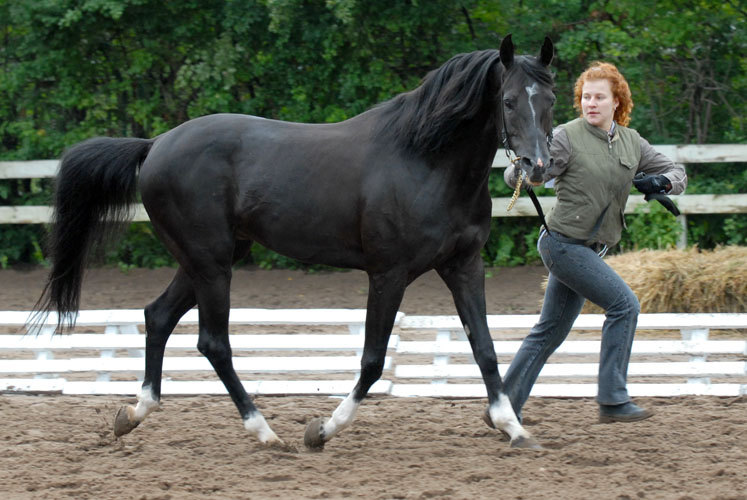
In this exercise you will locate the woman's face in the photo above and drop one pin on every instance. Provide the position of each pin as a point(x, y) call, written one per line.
point(597, 103)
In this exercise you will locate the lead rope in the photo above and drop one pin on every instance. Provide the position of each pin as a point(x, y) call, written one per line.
point(532, 196)
point(517, 190)
point(507, 149)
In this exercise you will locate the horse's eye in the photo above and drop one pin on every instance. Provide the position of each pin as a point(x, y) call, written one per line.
point(509, 104)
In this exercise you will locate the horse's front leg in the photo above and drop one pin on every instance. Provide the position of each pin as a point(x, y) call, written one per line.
point(465, 278)
point(384, 297)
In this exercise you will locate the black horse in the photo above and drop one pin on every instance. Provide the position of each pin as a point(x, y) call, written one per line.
point(395, 191)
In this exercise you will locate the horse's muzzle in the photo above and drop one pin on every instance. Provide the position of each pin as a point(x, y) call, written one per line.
point(535, 170)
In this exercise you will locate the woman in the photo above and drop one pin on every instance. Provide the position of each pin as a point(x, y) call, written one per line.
point(595, 158)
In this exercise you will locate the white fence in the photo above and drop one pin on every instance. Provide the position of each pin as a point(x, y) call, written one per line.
point(660, 373)
point(328, 363)
point(688, 203)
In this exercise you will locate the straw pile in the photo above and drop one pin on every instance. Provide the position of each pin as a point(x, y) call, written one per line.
point(687, 281)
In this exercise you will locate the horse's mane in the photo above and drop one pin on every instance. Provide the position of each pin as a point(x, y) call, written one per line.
point(427, 118)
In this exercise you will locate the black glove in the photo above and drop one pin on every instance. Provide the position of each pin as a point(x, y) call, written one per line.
point(649, 184)
point(654, 187)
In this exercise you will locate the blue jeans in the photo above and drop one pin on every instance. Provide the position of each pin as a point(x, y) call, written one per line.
point(577, 273)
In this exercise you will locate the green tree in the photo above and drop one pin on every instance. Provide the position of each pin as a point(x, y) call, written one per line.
point(685, 62)
point(72, 69)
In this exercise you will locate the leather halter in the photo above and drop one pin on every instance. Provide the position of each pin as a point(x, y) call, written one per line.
point(508, 150)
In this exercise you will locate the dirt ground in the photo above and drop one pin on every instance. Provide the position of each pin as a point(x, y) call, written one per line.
point(195, 447)
point(508, 290)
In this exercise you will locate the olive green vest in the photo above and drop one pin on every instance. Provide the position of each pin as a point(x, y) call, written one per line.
point(593, 191)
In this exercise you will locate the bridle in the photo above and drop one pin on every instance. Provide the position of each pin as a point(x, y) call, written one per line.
point(504, 134)
point(509, 151)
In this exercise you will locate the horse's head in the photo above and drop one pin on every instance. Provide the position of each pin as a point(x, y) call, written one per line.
point(526, 108)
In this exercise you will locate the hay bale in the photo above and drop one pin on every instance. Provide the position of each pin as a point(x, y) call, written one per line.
point(688, 281)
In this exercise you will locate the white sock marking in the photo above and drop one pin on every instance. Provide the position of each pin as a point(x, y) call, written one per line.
point(146, 403)
point(258, 426)
point(342, 417)
point(503, 417)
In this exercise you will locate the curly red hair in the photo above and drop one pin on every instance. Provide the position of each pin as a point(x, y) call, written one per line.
point(620, 90)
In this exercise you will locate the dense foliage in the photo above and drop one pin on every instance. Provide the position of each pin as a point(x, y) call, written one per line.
point(71, 69)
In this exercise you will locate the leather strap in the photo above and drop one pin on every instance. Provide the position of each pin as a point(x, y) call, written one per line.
point(665, 200)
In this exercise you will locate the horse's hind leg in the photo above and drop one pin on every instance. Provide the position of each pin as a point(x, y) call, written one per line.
point(207, 262)
point(161, 316)
point(384, 297)
point(212, 290)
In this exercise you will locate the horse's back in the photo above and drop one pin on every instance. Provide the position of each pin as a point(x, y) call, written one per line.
point(246, 151)
point(293, 187)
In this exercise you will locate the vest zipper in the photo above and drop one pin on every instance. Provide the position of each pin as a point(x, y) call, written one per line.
point(611, 134)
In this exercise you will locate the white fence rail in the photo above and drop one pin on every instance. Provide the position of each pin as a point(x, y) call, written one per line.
point(688, 204)
point(85, 363)
point(59, 356)
point(672, 377)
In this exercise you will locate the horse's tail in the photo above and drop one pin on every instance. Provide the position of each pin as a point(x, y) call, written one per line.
point(95, 188)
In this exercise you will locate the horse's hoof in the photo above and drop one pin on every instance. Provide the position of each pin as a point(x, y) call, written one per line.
point(313, 438)
point(527, 443)
point(486, 418)
point(489, 423)
point(123, 424)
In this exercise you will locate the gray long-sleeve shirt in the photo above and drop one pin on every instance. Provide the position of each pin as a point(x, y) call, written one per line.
point(652, 163)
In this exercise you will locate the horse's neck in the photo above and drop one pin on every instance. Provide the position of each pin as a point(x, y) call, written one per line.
point(471, 155)
point(466, 174)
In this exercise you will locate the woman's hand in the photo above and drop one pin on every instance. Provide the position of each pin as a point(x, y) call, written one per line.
point(649, 184)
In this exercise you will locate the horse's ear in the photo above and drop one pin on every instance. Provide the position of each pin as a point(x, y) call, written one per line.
point(546, 52)
point(507, 51)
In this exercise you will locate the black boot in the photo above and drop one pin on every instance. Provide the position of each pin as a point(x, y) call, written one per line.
point(626, 412)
